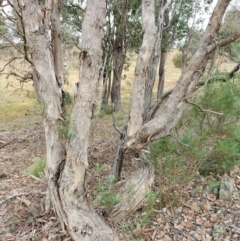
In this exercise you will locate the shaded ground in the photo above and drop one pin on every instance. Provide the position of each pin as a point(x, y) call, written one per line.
point(201, 216)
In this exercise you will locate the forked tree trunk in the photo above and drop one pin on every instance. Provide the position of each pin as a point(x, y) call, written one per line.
point(67, 164)
point(165, 120)
point(139, 135)
point(66, 167)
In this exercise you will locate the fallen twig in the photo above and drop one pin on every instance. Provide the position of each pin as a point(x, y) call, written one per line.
point(21, 194)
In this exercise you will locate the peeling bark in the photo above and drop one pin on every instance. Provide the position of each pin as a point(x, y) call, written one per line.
point(82, 221)
point(36, 24)
point(67, 164)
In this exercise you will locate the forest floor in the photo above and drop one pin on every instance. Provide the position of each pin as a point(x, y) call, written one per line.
point(200, 216)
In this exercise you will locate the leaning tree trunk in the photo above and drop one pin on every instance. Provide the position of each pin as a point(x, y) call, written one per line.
point(165, 120)
point(66, 167)
point(139, 135)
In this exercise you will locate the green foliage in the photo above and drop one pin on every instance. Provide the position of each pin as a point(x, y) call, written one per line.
point(63, 129)
point(202, 143)
point(217, 134)
point(37, 167)
point(232, 50)
point(213, 184)
point(177, 61)
point(104, 193)
point(105, 110)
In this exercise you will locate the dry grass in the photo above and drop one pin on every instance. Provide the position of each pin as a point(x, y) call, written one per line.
point(18, 103)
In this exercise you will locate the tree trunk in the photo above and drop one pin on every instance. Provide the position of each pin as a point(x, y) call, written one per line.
point(106, 79)
point(164, 121)
point(66, 167)
point(138, 91)
point(119, 56)
point(161, 75)
point(36, 24)
point(82, 222)
point(151, 77)
point(163, 7)
point(56, 41)
point(143, 181)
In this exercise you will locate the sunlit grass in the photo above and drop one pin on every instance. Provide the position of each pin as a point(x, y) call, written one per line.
point(16, 104)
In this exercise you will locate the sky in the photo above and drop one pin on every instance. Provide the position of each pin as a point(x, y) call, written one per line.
point(206, 16)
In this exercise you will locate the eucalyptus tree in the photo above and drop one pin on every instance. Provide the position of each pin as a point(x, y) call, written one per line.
point(67, 157)
point(173, 29)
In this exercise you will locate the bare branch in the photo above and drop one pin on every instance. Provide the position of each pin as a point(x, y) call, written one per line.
point(115, 126)
point(12, 43)
point(223, 42)
point(157, 104)
point(77, 6)
point(203, 110)
point(14, 30)
point(9, 62)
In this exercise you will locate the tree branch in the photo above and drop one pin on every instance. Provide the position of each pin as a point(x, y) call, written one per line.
point(77, 6)
point(225, 41)
point(203, 110)
point(157, 104)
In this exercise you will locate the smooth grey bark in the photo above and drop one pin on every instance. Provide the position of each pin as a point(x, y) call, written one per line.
point(152, 69)
point(164, 121)
point(141, 71)
point(56, 41)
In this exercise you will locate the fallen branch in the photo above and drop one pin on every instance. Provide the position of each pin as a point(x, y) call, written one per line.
point(21, 194)
point(12, 141)
point(184, 144)
point(203, 110)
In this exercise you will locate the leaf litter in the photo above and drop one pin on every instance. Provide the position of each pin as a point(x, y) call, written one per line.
point(201, 216)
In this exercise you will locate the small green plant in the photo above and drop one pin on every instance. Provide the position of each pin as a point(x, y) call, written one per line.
point(37, 167)
point(105, 110)
point(63, 128)
point(177, 61)
point(104, 193)
point(213, 184)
